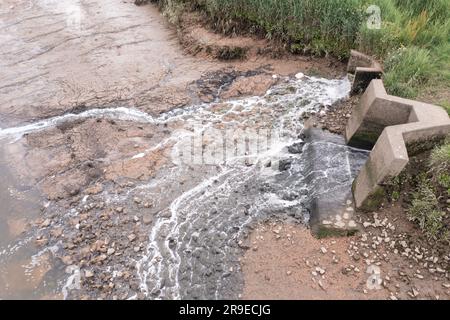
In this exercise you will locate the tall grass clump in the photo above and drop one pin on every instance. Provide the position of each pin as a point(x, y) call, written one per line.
point(406, 70)
point(413, 41)
point(436, 9)
point(440, 167)
point(316, 26)
point(424, 210)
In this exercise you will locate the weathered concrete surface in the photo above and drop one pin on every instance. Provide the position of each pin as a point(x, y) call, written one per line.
point(363, 69)
point(331, 211)
point(396, 128)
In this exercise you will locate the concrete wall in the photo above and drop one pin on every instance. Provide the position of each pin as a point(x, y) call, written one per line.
point(396, 128)
point(362, 69)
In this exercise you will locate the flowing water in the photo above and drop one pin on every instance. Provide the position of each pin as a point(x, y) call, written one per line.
point(196, 239)
point(221, 168)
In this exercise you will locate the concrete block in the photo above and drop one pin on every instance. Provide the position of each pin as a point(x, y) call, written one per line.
point(395, 128)
point(363, 69)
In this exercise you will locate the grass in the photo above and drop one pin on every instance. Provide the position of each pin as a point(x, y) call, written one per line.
point(413, 41)
point(440, 158)
point(425, 211)
point(408, 69)
point(429, 200)
point(440, 167)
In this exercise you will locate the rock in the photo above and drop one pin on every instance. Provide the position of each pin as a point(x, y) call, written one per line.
point(296, 148)
point(323, 249)
point(366, 224)
point(148, 205)
point(439, 270)
point(414, 292)
point(119, 209)
point(147, 218)
point(320, 270)
point(340, 224)
point(56, 232)
point(284, 164)
point(41, 242)
point(321, 284)
point(137, 200)
point(46, 223)
point(88, 274)
point(289, 272)
point(67, 260)
point(352, 224)
point(96, 189)
point(131, 237)
point(242, 245)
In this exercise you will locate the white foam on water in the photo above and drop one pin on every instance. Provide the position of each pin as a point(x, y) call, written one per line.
point(176, 227)
point(318, 91)
point(159, 269)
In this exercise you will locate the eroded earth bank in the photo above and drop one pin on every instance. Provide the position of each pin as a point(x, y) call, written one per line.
point(132, 169)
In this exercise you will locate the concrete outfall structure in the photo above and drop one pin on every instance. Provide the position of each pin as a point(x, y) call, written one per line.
point(362, 69)
point(396, 128)
point(331, 212)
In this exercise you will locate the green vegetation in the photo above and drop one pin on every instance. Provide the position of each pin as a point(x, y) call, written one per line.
point(440, 159)
point(414, 38)
point(440, 166)
point(425, 211)
point(407, 70)
point(413, 43)
point(430, 198)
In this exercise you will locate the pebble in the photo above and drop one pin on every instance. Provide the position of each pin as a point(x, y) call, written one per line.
point(323, 249)
point(88, 274)
point(46, 223)
point(137, 200)
point(147, 219)
point(413, 293)
point(67, 260)
point(352, 224)
point(320, 270)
